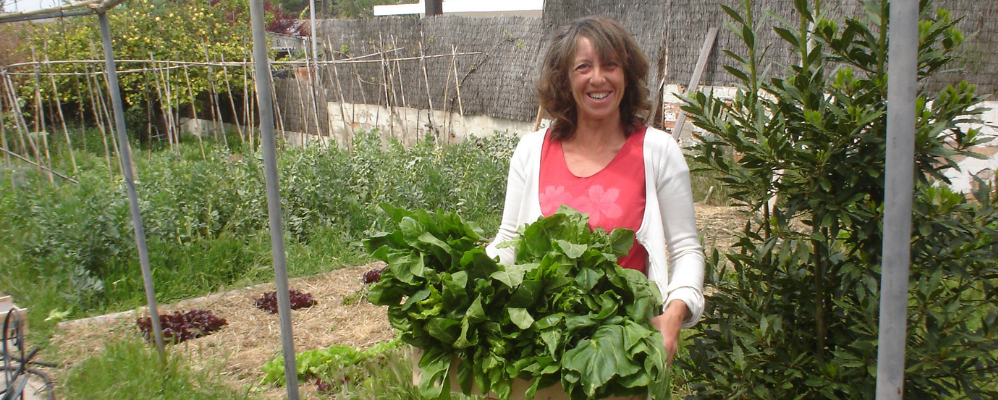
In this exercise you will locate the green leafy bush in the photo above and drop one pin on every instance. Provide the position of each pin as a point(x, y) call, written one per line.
point(794, 308)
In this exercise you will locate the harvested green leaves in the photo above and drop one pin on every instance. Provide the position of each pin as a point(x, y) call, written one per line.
point(564, 312)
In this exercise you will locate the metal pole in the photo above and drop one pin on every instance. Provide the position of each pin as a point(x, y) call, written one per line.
point(261, 67)
point(902, 55)
point(311, 11)
point(126, 170)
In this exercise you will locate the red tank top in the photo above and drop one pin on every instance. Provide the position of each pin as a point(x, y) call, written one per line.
point(614, 197)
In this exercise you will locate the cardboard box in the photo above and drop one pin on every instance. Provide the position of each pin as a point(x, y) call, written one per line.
point(520, 386)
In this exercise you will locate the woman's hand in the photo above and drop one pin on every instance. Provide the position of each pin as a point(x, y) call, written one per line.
point(669, 323)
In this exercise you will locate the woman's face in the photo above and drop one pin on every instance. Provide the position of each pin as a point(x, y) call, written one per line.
point(597, 85)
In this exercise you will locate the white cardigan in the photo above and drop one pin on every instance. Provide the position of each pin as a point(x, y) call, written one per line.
point(668, 220)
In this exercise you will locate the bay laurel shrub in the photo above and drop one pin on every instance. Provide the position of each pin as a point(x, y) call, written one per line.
point(793, 307)
point(205, 217)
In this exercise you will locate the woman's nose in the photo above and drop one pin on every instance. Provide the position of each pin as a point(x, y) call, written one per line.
point(598, 75)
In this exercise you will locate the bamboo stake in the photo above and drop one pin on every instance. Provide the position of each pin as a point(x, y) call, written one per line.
point(448, 116)
point(166, 103)
point(277, 107)
point(40, 128)
point(384, 80)
point(8, 153)
point(426, 81)
point(80, 112)
point(100, 123)
point(171, 121)
point(457, 82)
point(19, 115)
point(301, 110)
point(228, 88)
point(62, 119)
point(160, 93)
point(15, 110)
point(111, 126)
point(405, 107)
point(347, 132)
point(214, 95)
point(3, 131)
point(19, 122)
point(311, 85)
point(194, 111)
point(248, 122)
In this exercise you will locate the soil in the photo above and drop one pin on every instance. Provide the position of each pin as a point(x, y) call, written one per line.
point(252, 336)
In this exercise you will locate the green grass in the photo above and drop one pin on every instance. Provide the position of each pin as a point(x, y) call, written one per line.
point(131, 369)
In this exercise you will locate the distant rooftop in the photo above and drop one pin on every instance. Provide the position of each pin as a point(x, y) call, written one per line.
point(470, 8)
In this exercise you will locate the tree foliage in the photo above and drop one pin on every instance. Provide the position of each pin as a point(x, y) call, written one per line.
point(794, 310)
point(186, 30)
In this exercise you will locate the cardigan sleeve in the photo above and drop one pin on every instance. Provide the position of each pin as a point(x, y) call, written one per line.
point(515, 186)
point(686, 259)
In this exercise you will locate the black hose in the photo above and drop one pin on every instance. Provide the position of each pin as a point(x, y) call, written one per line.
point(48, 388)
point(39, 363)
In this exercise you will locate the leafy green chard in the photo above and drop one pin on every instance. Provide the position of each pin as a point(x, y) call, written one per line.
point(564, 312)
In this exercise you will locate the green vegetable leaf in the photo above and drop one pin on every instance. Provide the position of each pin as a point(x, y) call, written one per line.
point(521, 317)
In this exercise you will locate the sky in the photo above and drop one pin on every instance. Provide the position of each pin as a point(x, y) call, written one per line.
point(27, 5)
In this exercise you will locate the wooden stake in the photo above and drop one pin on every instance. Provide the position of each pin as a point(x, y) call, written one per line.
point(174, 144)
point(171, 123)
point(708, 44)
point(347, 131)
point(301, 110)
point(111, 127)
point(457, 82)
point(228, 88)
point(313, 71)
point(447, 112)
point(405, 107)
point(46, 169)
point(15, 108)
point(277, 107)
point(194, 111)
point(426, 81)
point(62, 119)
point(214, 96)
point(21, 123)
point(247, 106)
point(100, 122)
point(3, 131)
point(40, 116)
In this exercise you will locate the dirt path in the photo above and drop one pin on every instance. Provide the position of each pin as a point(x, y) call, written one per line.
point(252, 336)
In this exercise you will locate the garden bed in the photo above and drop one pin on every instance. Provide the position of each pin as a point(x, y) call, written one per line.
point(252, 336)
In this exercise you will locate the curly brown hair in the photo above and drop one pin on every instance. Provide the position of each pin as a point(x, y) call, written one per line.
point(611, 42)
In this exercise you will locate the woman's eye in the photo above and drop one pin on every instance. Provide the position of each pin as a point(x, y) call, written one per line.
point(582, 67)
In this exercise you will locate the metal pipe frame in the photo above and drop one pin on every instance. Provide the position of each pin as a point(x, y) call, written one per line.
point(268, 145)
point(126, 170)
point(902, 86)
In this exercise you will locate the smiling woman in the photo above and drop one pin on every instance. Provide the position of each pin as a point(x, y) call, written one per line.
point(599, 158)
